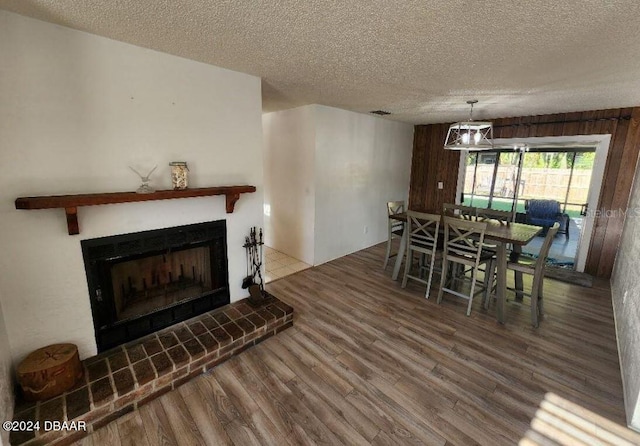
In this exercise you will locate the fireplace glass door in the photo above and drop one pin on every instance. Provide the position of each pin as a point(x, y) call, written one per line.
point(149, 284)
point(145, 281)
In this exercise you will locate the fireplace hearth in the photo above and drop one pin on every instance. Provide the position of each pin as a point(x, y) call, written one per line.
point(142, 282)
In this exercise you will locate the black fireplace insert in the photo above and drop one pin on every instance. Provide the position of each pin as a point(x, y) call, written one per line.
point(145, 281)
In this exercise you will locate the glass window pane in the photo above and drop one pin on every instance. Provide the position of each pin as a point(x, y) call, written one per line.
point(506, 179)
point(574, 211)
point(545, 175)
point(579, 190)
point(484, 176)
point(520, 207)
point(468, 178)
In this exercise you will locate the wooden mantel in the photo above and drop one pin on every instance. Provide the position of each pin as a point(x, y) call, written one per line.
point(71, 203)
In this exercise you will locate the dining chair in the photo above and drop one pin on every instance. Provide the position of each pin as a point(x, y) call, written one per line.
point(503, 218)
point(422, 239)
point(536, 269)
point(459, 210)
point(395, 227)
point(463, 245)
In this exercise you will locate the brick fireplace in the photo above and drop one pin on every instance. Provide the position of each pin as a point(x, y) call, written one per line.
point(126, 377)
point(142, 282)
point(162, 316)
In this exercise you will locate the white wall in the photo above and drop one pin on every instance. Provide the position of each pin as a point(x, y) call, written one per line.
point(328, 174)
point(362, 161)
point(6, 382)
point(75, 111)
point(289, 190)
point(625, 290)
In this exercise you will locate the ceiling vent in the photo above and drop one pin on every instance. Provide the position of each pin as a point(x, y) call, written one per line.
point(380, 112)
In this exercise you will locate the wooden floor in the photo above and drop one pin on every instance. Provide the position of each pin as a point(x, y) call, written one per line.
point(368, 362)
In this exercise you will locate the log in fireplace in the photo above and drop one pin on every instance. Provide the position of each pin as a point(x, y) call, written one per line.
point(145, 281)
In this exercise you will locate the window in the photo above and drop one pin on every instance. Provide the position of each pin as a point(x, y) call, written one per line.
point(504, 179)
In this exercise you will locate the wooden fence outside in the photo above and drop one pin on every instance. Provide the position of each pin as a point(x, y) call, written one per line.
point(545, 183)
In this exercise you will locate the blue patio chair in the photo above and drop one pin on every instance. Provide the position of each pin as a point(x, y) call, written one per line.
point(545, 213)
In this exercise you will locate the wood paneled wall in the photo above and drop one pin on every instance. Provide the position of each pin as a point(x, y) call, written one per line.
point(431, 164)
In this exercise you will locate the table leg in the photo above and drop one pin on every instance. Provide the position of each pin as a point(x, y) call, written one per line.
point(400, 256)
point(502, 281)
point(515, 255)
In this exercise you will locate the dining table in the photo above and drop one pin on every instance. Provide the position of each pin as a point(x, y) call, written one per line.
point(498, 234)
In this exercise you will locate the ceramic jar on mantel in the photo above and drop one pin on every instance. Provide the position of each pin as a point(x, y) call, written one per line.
point(179, 175)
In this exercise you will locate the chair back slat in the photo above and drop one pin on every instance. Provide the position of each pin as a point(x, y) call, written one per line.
point(423, 229)
point(464, 238)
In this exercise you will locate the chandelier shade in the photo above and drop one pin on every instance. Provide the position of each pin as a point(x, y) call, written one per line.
point(470, 135)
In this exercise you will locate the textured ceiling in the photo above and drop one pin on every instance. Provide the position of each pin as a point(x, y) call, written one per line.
point(420, 60)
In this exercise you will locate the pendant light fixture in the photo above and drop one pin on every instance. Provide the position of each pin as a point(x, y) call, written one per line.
point(470, 135)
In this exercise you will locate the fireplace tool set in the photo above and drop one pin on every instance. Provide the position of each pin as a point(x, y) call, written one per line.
point(254, 282)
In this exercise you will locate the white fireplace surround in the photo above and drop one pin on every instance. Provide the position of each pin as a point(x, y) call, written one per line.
point(76, 110)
